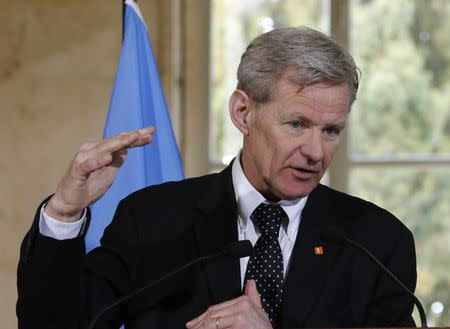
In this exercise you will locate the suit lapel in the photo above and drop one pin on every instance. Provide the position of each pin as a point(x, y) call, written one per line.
point(308, 270)
point(216, 228)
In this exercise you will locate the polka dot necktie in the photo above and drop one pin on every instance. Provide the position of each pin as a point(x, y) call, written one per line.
point(265, 265)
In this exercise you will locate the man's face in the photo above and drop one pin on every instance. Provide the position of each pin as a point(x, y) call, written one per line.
point(291, 139)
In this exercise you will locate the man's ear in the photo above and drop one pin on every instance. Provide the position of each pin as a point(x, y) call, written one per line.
point(240, 108)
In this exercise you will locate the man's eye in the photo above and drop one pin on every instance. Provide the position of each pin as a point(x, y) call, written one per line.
point(295, 124)
point(332, 131)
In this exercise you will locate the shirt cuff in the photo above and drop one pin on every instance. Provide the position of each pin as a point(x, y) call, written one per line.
point(59, 230)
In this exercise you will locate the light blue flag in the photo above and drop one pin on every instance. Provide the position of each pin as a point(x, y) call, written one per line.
point(137, 101)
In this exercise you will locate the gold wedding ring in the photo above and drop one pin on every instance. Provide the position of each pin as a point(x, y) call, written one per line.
point(218, 323)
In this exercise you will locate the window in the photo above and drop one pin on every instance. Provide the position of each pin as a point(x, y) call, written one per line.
point(400, 129)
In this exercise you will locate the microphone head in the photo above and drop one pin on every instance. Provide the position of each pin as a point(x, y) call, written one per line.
point(332, 234)
point(238, 249)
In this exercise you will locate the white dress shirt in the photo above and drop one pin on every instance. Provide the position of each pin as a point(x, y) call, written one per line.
point(248, 198)
point(53, 228)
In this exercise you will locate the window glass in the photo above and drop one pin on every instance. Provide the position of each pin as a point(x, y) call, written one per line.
point(403, 113)
point(403, 106)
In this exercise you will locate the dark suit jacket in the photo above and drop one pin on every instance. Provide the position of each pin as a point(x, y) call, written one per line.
point(161, 227)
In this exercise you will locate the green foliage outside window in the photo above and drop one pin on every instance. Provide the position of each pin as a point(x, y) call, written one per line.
point(402, 49)
point(403, 110)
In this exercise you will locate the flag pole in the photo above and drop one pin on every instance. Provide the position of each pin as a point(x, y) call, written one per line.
point(123, 18)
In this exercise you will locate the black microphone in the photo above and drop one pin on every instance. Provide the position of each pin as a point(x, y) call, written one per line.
point(332, 234)
point(237, 249)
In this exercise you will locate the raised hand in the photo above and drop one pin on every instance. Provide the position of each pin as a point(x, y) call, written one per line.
point(92, 172)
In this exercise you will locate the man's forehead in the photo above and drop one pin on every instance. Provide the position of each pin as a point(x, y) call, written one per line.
point(292, 79)
point(285, 87)
point(293, 101)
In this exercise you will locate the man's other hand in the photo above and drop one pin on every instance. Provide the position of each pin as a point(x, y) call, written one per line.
point(243, 312)
point(92, 172)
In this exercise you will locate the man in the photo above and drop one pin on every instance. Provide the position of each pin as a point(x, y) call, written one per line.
point(295, 90)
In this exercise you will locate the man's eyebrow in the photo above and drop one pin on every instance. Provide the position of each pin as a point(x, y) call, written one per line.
point(304, 119)
point(297, 116)
point(340, 124)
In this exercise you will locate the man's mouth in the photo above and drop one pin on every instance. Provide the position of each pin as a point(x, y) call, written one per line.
point(304, 173)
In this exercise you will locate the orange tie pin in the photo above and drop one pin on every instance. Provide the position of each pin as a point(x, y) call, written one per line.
point(318, 250)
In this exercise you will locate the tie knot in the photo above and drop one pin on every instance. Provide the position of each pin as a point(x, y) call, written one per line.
point(268, 218)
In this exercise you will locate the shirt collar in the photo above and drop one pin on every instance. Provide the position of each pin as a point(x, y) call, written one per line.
point(248, 198)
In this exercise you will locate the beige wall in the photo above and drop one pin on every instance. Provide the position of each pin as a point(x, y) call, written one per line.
point(57, 64)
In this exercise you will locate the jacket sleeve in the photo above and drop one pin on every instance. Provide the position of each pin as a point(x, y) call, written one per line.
point(59, 286)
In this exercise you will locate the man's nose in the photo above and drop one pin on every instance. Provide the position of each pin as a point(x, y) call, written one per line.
point(312, 147)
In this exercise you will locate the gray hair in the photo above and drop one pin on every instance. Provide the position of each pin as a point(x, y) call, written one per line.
point(312, 56)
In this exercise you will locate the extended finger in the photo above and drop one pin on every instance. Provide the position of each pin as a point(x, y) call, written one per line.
point(125, 140)
point(92, 164)
point(119, 158)
point(145, 136)
point(89, 145)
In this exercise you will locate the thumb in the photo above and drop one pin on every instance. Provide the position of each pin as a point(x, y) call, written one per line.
point(252, 292)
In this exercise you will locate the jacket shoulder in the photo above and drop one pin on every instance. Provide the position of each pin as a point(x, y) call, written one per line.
point(353, 211)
